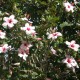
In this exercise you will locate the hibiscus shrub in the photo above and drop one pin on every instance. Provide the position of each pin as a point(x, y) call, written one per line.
point(39, 39)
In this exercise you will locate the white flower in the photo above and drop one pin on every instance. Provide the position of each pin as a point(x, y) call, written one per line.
point(25, 45)
point(54, 35)
point(68, 7)
point(71, 63)
point(24, 50)
point(9, 21)
point(2, 34)
point(4, 48)
point(72, 45)
point(75, 2)
point(53, 51)
point(24, 19)
point(28, 29)
point(22, 54)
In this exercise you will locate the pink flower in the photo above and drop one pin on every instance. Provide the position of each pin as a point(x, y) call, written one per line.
point(9, 21)
point(54, 35)
point(22, 54)
point(24, 50)
point(25, 45)
point(2, 34)
point(68, 7)
point(53, 50)
point(4, 48)
point(38, 39)
point(72, 45)
point(71, 63)
point(28, 29)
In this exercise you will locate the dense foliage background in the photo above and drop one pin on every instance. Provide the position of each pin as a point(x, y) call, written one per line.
point(40, 64)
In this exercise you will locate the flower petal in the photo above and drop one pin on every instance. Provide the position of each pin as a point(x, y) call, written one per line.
point(50, 36)
point(10, 25)
point(4, 24)
point(73, 42)
point(20, 55)
point(5, 19)
point(67, 43)
point(69, 65)
point(27, 25)
point(12, 17)
point(15, 21)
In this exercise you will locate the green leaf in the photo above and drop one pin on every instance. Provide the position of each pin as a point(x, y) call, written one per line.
point(65, 24)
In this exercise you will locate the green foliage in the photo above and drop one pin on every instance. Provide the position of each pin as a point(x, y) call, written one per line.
point(40, 63)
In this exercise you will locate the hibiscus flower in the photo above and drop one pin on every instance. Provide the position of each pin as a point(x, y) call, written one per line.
point(2, 34)
point(53, 51)
point(70, 63)
point(9, 21)
point(72, 45)
point(22, 54)
point(54, 35)
point(4, 48)
point(30, 30)
point(23, 51)
point(68, 7)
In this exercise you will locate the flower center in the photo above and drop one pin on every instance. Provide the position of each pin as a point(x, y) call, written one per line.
point(55, 34)
point(72, 45)
point(10, 20)
point(3, 49)
point(25, 44)
point(22, 52)
point(68, 6)
point(28, 29)
point(69, 60)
